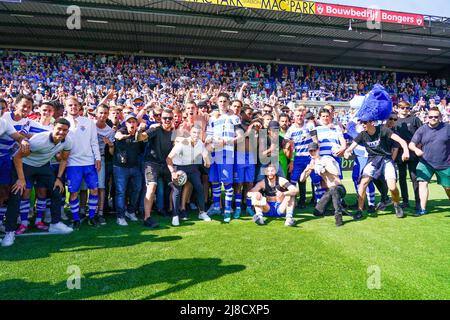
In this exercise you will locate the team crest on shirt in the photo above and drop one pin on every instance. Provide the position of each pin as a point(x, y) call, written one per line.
point(83, 128)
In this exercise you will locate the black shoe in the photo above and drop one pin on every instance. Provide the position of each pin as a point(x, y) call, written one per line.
point(329, 212)
point(399, 211)
point(76, 224)
point(101, 220)
point(371, 210)
point(381, 206)
point(404, 205)
point(317, 213)
point(339, 221)
point(93, 222)
point(183, 215)
point(151, 223)
point(358, 215)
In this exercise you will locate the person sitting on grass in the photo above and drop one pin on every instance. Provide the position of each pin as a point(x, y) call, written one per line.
point(279, 197)
point(328, 169)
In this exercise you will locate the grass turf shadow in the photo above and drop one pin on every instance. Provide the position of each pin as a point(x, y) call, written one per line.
point(77, 243)
point(180, 274)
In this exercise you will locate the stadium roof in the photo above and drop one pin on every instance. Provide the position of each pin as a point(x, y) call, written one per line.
point(202, 30)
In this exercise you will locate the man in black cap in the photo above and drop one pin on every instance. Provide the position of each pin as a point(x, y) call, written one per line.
point(328, 169)
point(126, 168)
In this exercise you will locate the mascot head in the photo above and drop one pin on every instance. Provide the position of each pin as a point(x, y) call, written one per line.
point(377, 105)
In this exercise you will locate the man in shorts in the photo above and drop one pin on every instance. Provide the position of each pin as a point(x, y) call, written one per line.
point(274, 196)
point(84, 161)
point(434, 155)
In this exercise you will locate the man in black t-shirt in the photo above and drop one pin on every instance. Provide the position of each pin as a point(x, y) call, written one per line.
point(126, 169)
point(159, 139)
point(433, 139)
point(405, 127)
point(377, 141)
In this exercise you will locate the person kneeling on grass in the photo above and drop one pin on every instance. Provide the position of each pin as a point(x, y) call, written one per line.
point(279, 197)
point(34, 166)
point(328, 169)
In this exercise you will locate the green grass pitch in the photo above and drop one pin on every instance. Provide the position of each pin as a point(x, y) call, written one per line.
point(403, 258)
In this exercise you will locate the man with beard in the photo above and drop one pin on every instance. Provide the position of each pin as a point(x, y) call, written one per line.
point(159, 144)
point(273, 196)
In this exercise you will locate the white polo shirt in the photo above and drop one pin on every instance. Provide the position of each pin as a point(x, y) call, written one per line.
point(186, 154)
point(43, 149)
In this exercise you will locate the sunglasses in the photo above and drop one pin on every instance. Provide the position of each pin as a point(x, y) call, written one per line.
point(267, 111)
point(433, 117)
point(364, 122)
point(157, 115)
point(393, 119)
point(167, 118)
point(407, 108)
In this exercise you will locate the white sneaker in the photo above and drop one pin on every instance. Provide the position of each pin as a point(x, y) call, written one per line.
point(64, 216)
point(258, 219)
point(204, 216)
point(8, 240)
point(176, 221)
point(60, 228)
point(289, 222)
point(131, 216)
point(122, 222)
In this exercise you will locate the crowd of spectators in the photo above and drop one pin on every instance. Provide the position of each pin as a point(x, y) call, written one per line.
point(90, 77)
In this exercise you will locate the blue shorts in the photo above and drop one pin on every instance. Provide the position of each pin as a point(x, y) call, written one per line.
point(76, 174)
point(221, 173)
point(300, 164)
point(274, 210)
point(6, 166)
point(221, 169)
point(244, 173)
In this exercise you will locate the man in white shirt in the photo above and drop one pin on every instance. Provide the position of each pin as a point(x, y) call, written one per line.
point(187, 155)
point(106, 144)
point(34, 166)
point(84, 162)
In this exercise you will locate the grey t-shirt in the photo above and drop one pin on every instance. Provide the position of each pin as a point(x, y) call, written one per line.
point(435, 145)
point(105, 132)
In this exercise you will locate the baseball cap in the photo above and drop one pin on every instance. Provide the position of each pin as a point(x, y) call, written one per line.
point(128, 117)
point(313, 146)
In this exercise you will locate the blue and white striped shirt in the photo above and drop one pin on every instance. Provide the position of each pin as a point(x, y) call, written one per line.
point(24, 126)
point(328, 138)
point(301, 137)
point(220, 128)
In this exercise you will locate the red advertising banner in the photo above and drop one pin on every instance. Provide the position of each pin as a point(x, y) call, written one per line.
point(331, 10)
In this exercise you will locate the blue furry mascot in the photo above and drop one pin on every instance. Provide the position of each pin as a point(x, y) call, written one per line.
point(375, 106)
